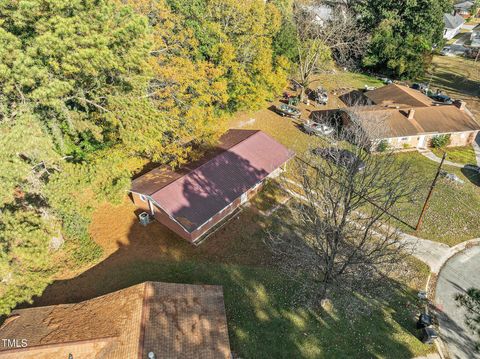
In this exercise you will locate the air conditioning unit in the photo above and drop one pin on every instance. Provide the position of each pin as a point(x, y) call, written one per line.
point(144, 218)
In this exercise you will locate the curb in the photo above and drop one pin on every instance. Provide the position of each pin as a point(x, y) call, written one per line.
point(453, 251)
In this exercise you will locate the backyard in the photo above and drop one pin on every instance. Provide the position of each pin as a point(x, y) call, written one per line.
point(263, 319)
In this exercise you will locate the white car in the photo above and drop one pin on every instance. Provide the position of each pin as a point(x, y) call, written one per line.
point(319, 129)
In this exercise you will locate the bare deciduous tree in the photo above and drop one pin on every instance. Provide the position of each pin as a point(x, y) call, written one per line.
point(321, 38)
point(341, 230)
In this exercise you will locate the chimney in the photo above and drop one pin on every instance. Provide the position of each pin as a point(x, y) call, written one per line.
point(411, 114)
point(460, 104)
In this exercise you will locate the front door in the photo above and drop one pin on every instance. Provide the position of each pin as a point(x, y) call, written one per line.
point(421, 142)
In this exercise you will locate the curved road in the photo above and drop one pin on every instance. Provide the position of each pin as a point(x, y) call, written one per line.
point(459, 273)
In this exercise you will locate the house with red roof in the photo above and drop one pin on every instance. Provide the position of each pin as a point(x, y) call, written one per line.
point(196, 198)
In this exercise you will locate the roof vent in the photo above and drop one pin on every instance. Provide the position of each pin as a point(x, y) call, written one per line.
point(460, 104)
point(151, 355)
point(411, 114)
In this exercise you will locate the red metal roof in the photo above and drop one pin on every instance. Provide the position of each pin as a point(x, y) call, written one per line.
point(195, 197)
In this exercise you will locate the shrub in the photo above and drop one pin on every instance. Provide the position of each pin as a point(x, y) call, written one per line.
point(382, 146)
point(440, 141)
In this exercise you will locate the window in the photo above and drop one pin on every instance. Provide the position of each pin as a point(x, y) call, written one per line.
point(404, 139)
point(143, 198)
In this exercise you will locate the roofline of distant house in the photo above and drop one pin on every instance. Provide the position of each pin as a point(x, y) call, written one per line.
point(57, 345)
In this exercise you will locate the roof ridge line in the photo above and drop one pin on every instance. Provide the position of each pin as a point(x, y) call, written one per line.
point(203, 164)
point(143, 318)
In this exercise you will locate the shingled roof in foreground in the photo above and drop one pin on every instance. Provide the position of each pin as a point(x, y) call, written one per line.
point(168, 319)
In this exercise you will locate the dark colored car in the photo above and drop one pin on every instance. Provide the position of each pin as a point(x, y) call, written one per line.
point(420, 87)
point(428, 335)
point(424, 320)
point(340, 157)
point(442, 99)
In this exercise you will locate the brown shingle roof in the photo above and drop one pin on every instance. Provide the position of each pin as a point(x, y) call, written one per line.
point(399, 95)
point(434, 119)
point(388, 117)
point(196, 193)
point(171, 320)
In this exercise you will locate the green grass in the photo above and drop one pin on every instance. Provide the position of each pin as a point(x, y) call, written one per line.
point(264, 323)
point(459, 77)
point(453, 213)
point(263, 319)
point(463, 155)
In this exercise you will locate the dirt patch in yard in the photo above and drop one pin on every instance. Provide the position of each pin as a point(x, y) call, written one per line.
point(114, 227)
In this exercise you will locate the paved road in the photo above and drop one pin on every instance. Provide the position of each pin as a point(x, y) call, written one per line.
point(459, 273)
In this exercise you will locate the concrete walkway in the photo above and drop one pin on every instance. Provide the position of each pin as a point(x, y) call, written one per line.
point(431, 156)
point(432, 253)
point(436, 255)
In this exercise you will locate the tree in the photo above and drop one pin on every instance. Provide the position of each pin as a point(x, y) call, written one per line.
point(321, 41)
point(342, 232)
point(236, 39)
point(471, 302)
point(403, 33)
point(61, 65)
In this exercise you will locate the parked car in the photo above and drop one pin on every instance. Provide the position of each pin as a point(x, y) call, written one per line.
point(447, 51)
point(423, 88)
point(424, 320)
point(340, 157)
point(428, 335)
point(442, 98)
point(320, 95)
point(319, 129)
point(287, 110)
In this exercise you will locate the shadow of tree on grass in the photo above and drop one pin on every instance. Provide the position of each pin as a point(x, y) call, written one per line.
point(263, 322)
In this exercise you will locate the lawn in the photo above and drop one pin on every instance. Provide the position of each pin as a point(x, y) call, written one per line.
point(457, 76)
point(263, 320)
point(463, 155)
point(453, 213)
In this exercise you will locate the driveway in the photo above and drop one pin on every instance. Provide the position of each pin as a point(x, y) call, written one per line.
point(459, 273)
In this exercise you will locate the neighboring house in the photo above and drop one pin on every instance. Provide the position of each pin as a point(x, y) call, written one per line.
point(406, 118)
point(194, 199)
point(475, 39)
point(453, 24)
point(464, 8)
point(325, 11)
point(167, 319)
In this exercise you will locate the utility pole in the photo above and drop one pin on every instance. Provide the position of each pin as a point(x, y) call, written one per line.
point(425, 205)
